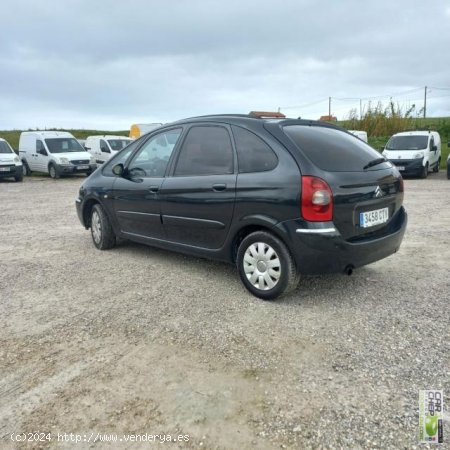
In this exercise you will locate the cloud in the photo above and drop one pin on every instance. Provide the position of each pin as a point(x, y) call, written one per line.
point(109, 64)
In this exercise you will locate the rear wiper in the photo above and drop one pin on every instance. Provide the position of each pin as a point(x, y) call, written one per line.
point(374, 162)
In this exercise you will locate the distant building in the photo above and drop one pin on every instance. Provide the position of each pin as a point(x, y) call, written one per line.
point(328, 118)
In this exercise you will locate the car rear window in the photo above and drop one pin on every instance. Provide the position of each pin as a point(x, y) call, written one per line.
point(333, 150)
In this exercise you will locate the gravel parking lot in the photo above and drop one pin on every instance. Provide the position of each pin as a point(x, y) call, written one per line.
point(139, 340)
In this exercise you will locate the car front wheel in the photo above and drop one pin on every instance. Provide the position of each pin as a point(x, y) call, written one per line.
point(53, 171)
point(101, 230)
point(265, 266)
point(424, 173)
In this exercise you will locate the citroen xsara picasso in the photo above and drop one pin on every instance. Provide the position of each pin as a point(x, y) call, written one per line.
point(278, 197)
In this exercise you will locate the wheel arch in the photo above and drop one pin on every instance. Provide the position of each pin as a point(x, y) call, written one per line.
point(249, 228)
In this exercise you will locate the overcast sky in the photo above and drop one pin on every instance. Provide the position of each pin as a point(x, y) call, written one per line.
point(107, 64)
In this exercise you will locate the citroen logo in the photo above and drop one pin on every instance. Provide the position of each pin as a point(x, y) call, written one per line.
point(378, 192)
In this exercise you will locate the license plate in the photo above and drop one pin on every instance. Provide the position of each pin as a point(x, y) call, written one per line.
point(82, 167)
point(400, 168)
point(372, 218)
point(5, 169)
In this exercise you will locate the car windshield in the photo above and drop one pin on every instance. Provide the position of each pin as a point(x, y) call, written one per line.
point(5, 148)
point(118, 144)
point(63, 145)
point(407, 143)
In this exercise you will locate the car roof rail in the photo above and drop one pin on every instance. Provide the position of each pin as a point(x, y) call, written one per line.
point(267, 115)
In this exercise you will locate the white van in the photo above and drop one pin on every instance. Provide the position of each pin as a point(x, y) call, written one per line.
point(10, 164)
point(103, 147)
point(54, 152)
point(414, 152)
point(361, 134)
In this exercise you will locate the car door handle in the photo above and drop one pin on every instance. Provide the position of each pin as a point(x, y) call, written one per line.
point(219, 187)
point(153, 189)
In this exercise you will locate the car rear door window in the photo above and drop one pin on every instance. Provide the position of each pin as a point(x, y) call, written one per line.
point(333, 150)
point(254, 155)
point(207, 150)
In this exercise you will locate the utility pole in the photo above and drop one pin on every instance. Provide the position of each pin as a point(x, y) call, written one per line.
point(360, 109)
point(425, 104)
point(329, 107)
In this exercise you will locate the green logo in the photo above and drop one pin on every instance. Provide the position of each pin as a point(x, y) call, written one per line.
point(431, 425)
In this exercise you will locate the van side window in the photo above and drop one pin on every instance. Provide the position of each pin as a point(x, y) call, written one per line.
point(431, 143)
point(207, 150)
point(39, 145)
point(254, 155)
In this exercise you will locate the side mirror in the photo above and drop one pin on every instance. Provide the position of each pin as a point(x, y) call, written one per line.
point(448, 144)
point(382, 149)
point(43, 152)
point(118, 170)
point(105, 150)
point(434, 149)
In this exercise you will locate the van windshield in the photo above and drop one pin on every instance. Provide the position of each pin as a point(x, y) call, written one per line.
point(407, 143)
point(118, 144)
point(63, 145)
point(5, 148)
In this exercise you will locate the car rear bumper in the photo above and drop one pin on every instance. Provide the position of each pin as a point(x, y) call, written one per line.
point(324, 250)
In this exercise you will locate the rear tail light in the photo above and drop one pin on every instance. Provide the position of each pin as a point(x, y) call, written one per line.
point(317, 200)
point(401, 187)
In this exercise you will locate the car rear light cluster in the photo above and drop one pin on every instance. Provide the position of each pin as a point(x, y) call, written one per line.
point(317, 200)
point(401, 187)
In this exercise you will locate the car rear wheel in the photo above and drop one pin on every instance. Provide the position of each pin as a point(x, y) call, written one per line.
point(52, 171)
point(265, 266)
point(101, 230)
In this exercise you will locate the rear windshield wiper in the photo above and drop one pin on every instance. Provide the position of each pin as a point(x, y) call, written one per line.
point(374, 162)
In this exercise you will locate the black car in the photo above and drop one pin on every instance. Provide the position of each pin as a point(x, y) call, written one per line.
point(278, 197)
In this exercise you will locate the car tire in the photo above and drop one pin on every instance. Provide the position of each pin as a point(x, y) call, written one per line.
point(424, 172)
point(25, 169)
point(436, 168)
point(53, 171)
point(257, 254)
point(101, 230)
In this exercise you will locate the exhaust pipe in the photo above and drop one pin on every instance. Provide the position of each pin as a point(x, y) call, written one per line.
point(349, 269)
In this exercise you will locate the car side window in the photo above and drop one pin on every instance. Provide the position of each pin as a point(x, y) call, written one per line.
point(254, 155)
point(207, 150)
point(152, 159)
point(119, 158)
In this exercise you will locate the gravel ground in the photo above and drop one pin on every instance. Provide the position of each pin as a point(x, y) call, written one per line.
point(139, 340)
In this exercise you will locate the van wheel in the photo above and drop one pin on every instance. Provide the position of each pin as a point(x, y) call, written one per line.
point(266, 266)
point(437, 167)
point(25, 169)
point(101, 229)
point(53, 172)
point(424, 173)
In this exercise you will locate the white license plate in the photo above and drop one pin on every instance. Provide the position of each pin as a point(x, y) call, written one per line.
point(5, 169)
point(400, 168)
point(375, 217)
point(82, 167)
